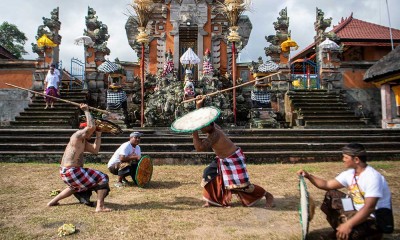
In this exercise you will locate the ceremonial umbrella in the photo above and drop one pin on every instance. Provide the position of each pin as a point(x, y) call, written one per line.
point(268, 66)
point(109, 67)
point(289, 44)
point(83, 40)
point(328, 45)
point(189, 58)
point(45, 41)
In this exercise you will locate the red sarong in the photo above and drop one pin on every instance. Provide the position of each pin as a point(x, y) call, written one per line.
point(234, 171)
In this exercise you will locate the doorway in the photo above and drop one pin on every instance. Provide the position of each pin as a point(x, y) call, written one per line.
point(188, 39)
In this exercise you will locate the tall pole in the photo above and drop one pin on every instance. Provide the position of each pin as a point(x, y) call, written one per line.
point(234, 81)
point(142, 87)
point(390, 27)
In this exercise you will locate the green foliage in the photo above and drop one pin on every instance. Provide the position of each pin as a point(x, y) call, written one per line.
point(12, 39)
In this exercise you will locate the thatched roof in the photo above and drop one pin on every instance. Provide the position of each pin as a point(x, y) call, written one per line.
point(387, 66)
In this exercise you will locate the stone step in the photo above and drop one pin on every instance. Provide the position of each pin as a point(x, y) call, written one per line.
point(161, 158)
point(232, 132)
point(38, 139)
point(188, 147)
point(317, 109)
point(57, 108)
point(58, 103)
point(320, 104)
point(330, 117)
point(42, 112)
point(72, 99)
point(34, 122)
point(324, 112)
point(316, 100)
point(49, 117)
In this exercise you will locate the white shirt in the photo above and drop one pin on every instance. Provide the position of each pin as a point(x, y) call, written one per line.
point(52, 80)
point(125, 149)
point(371, 183)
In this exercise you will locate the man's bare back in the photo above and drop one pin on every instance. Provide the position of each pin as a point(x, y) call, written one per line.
point(222, 146)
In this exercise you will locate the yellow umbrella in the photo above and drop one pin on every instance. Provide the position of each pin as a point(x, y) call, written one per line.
point(289, 43)
point(44, 41)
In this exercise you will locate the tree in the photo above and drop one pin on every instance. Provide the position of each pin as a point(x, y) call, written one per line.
point(12, 39)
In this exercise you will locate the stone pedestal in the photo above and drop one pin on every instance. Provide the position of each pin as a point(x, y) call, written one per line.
point(263, 118)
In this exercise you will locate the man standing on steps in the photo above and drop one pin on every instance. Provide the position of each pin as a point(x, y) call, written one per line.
point(52, 85)
point(78, 178)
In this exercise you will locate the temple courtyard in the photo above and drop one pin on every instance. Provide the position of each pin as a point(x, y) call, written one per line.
point(170, 206)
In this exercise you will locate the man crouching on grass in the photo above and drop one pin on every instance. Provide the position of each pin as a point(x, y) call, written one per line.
point(78, 178)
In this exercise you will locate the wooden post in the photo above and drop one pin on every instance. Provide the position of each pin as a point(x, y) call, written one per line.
point(234, 81)
point(142, 87)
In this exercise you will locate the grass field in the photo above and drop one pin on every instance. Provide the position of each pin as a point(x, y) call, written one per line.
point(169, 207)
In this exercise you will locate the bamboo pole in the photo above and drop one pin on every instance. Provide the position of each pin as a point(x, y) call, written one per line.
point(60, 99)
point(231, 88)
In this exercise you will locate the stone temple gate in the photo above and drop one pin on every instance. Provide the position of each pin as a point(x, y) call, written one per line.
point(179, 24)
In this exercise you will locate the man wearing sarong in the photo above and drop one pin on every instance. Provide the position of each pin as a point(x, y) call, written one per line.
point(82, 180)
point(226, 175)
point(352, 215)
point(52, 86)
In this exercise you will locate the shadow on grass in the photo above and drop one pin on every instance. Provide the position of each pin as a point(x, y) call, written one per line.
point(163, 184)
point(180, 203)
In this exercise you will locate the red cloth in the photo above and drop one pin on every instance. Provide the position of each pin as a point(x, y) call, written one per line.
point(234, 172)
point(81, 179)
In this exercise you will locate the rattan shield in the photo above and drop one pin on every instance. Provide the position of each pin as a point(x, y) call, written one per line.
point(144, 171)
point(196, 119)
point(105, 126)
point(304, 208)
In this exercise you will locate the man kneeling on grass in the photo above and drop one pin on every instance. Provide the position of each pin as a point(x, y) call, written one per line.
point(80, 180)
point(353, 215)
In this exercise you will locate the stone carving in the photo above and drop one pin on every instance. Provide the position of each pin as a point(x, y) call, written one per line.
point(50, 27)
point(98, 32)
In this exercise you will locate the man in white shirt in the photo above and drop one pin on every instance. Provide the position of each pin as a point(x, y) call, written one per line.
point(124, 161)
point(368, 191)
point(52, 86)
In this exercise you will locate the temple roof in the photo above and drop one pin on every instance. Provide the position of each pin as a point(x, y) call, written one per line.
point(355, 32)
point(386, 69)
point(5, 54)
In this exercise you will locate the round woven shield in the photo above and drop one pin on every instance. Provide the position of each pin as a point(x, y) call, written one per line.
point(105, 126)
point(144, 171)
point(304, 207)
point(196, 119)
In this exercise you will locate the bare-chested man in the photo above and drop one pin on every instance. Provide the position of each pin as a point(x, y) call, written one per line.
point(81, 179)
point(227, 174)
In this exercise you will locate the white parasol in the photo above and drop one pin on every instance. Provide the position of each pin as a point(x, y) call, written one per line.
point(83, 40)
point(329, 44)
point(189, 57)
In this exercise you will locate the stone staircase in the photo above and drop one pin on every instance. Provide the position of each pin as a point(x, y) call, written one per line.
point(166, 147)
point(64, 115)
point(323, 109)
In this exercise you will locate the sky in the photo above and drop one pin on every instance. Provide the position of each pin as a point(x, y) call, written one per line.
point(27, 16)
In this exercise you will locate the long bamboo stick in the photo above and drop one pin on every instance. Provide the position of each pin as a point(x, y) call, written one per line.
point(231, 88)
point(60, 99)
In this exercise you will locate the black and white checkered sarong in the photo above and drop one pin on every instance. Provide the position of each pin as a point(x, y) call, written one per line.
point(260, 96)
point(115, 99)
